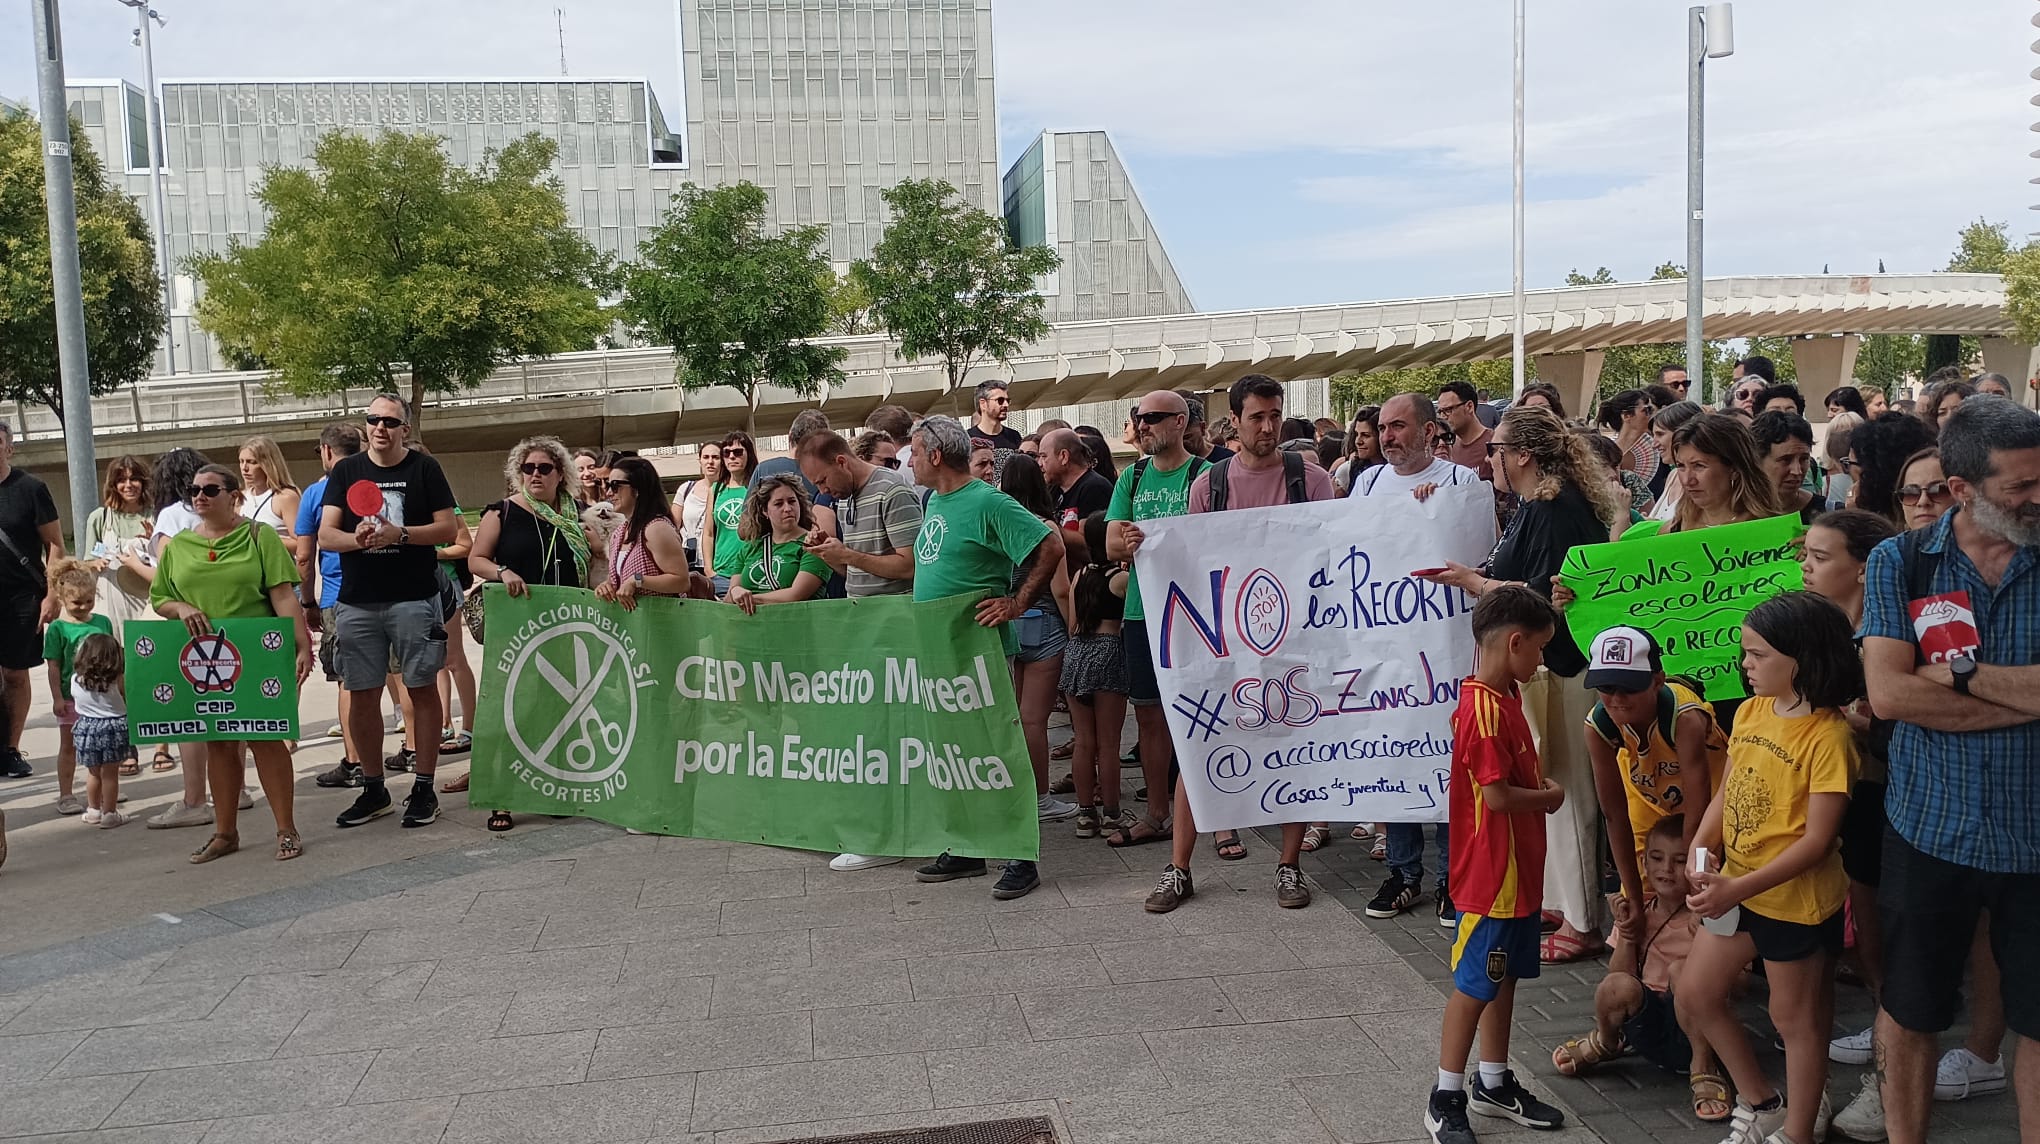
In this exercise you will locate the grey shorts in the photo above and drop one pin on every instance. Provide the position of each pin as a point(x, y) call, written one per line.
point(376, 639)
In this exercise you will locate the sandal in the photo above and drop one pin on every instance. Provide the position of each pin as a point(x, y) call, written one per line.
point(1316, 838)
point(1582, 1053)
point(455, 786)
point(162, 762)
point(1711, 1101)
point(1128, 834)
point(1561, 947)
point(1231, 849)
point(288, 845)
point(129, 768)
point(1063, 750)
point(456, 744)
point(218, 846)
point(500, 821)
point(1379, 849)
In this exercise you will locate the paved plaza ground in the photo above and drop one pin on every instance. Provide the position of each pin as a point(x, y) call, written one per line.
point(568, 984)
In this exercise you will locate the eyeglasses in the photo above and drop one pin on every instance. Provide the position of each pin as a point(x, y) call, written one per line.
point(1918, 494)
point(538, 468)
point(1448, 410)
point(376, 420)
point(614, 484)
point(208, 491)
point(889, 462)
point(1494, 447)
point(1154, 418)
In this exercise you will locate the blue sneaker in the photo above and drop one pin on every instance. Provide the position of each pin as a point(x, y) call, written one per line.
point(1510, 1101)
point(1018, 881)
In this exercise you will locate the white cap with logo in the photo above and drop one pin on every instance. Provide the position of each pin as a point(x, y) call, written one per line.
point(1620, 659)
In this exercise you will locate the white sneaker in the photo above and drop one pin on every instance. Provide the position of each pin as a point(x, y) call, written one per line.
point(860, 861)
point(247, 799)
point(1962, 1074)
point(1054, 809)
point(1863, 1117)
point(1748, 1126)
point(90, 816)
point(1823, 1119)
point(1854, 1049)
point(111, 819)
point(182, 815)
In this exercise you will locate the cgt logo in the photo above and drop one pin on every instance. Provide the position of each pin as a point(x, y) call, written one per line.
point(569, 706)
point(1945, 626)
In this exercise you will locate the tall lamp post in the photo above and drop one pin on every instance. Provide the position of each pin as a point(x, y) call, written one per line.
point(1710, 35)
point(143, 15)
point(1516, 221)
point(66, 284)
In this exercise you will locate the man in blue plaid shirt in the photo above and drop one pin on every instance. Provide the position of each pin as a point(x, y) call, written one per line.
point(1951, 649)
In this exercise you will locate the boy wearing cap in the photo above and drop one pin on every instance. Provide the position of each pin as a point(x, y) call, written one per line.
point(1656, 750)
point(1498, 802)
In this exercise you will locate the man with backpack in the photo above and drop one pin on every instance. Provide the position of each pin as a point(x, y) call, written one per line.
point(1260, 475)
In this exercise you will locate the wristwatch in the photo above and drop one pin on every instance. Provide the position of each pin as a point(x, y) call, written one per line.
point(403, 535)
point(638, 581)
point(1963, 669)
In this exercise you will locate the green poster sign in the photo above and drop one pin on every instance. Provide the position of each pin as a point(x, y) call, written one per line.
point(879, 726)
point(1689, 590)
point(239, 682)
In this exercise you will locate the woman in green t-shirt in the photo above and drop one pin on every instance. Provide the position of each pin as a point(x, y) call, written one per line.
point(774, 564)
point(719, 542)
point(228, 567)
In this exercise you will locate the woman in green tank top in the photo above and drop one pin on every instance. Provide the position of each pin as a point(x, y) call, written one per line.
point(721, 547)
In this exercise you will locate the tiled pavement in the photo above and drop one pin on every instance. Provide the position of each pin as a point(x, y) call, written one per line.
point(577, 985)
point(1628, 1100)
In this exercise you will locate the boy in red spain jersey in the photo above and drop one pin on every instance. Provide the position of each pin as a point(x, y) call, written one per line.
point(1498, 801)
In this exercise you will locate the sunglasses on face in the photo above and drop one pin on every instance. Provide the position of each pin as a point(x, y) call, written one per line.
point(1682, 383)
point(613, 484)
point(890, 462)
point(208, 491)
point(728, 453)
point(379, 421)
point(1494, 447)
point(1915, 494)
point(1155, 418)
point(538, 468)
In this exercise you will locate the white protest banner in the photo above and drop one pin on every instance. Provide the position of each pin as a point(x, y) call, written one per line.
point(1305, 674)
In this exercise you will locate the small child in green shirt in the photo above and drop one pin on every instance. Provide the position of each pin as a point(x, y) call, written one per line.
point(77, 590)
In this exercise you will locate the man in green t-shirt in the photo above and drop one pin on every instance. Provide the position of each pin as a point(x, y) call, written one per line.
point(1155, 486)
point(973, 537)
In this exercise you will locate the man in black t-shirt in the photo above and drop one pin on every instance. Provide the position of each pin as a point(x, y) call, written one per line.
point(1079, 490)
point(29, 535)
point(990, 422)
point(389, 613)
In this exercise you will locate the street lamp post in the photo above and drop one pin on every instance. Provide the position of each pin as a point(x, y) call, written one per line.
point(1516, 222)
point(144, 14)
point(1710, 34)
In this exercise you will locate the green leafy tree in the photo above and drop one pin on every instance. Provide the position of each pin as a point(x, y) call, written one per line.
point(737, 304)
point(1350, 391)
point(122, 291)
point(849, 306)
point(383, 256)
point(1889, 361)
point(1981, 248)
point(947, 281)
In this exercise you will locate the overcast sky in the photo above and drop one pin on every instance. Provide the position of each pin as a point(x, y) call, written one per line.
point(1339, 150)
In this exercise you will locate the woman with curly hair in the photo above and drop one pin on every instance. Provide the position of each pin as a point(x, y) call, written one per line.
point(1569, 499)
point(773, 564)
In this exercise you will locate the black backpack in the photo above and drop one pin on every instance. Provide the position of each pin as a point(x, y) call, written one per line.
point(1140, 468)
point(1292, 476)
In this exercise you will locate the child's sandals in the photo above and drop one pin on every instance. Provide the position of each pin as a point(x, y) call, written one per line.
point(1582, 1053)
point(1711, 1100)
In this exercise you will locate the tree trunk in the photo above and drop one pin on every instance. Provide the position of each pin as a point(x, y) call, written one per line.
point(417, 406)
point(751, 418)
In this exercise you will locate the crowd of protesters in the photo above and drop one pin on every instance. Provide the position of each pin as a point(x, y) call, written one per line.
point(1872, 800)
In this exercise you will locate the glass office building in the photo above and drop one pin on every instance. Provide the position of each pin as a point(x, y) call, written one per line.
point(824, 103)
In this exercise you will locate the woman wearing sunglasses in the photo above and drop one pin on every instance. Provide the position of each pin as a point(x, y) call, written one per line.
point(228, 567)
point(531, 536)
point(646, 557)
point(719, 539)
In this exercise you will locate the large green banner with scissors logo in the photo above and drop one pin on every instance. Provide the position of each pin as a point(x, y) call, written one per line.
point(238, 681)
point(878, 726)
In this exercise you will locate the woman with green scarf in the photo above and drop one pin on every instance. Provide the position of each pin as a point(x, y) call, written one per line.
point(532, 536)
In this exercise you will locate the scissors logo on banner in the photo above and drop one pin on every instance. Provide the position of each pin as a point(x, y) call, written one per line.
point(575, 743)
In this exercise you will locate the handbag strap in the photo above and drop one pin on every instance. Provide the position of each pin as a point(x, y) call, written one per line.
point(27, 565)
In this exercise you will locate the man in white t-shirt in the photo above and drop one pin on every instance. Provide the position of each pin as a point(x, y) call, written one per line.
point(1409, 434)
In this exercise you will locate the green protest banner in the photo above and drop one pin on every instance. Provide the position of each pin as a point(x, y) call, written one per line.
point(1689, 590)
point(879, 726)
point(239, 682)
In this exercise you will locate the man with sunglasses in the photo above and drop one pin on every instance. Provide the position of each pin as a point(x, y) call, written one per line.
point(1673, 377)
point(388, 609)
point(990, 423)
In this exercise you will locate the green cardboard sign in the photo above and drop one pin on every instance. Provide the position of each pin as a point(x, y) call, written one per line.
point(239, 682)
point(879, 726)
point(1689, 590)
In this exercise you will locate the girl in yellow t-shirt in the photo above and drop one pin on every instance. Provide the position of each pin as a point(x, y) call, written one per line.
point(1779, 890)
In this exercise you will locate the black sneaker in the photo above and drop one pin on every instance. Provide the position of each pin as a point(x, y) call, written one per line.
point(345, 775)
point(421, 806)
point(1445, 1120)
point(949, 867)
point(373, 803)
point(1510, 1101)
point(1018, 881)
point(1448, 915)
point(12, 765)
point(402, 761)
point(1395, 896)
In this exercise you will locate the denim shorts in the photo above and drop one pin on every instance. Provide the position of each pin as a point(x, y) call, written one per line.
point(376, 639)
point(1042, 635)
